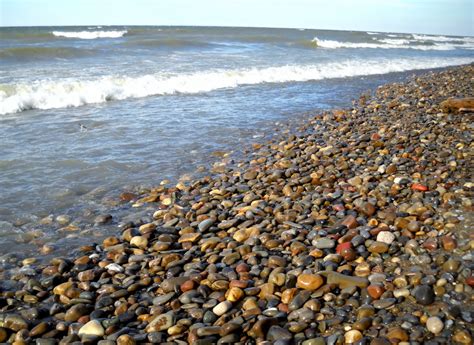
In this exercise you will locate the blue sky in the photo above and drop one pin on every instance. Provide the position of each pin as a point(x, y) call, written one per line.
point(454, 17)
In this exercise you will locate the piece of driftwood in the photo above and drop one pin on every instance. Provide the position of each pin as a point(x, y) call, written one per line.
point(458, 105)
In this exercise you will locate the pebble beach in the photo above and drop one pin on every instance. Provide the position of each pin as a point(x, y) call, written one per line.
point(353, 228)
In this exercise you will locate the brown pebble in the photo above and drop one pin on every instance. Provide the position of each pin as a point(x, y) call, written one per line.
point(375, 291)
point(309, 281)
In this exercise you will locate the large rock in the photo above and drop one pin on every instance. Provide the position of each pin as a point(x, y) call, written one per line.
point(458, 105)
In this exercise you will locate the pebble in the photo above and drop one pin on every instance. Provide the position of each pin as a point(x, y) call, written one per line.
point(386, 237)
point(434, 324)
point(92, 328)
point(309, 281)
point(352, 336)
point(424, 295)
point(222, 308)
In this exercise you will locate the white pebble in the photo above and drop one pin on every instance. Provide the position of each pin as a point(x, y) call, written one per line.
point(434, 324)
point(222, 308)
point(114, 267)
point(386, 237)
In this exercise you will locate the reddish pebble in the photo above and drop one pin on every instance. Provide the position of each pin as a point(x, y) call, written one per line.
point(448, 242)
point(375, 291)
point(126, 196)
point(243, 267)
point(349, 254)
point(238, 283)
point(350, 222)
point(340, 247)
point(419, 187)
point(84, 319)
point(187, 285)
point(283, 307)
point(338, 207)
point(430, 244)
point(375, 136)
point(375, 231)
point(470, 281)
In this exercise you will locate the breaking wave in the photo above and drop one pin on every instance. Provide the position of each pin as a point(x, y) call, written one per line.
point(48, 94)
point(89, 35)
point(397, 43)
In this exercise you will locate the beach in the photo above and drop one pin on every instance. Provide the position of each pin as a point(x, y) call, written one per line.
point(352, 226)
point(88, 113)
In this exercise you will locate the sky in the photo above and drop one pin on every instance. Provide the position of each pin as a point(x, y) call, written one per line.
point(448, 17)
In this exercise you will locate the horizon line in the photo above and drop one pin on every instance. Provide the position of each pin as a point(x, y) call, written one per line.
point(230, 27)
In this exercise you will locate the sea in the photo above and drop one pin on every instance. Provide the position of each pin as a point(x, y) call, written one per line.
point(89, 112)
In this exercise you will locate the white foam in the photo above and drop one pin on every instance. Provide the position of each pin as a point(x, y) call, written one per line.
point(48, 94)
point(440, 38)
point(390, 44)
point(395, 41)
point(89, 35)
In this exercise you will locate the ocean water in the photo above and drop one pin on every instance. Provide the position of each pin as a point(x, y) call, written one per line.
point(87, 112)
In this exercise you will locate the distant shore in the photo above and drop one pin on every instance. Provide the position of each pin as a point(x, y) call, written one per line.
point(354, 228)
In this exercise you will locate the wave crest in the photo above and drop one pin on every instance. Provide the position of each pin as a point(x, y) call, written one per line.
point(396, 43)
point(48, 94)
point(89, 35)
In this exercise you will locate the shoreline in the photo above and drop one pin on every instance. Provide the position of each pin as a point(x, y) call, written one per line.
point(57, 227)
point(357, 216)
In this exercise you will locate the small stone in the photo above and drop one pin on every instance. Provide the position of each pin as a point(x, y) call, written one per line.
point(403, 292)
point(424, 294)
point(92, 328)
point(384, 303)
point(63, 219)
point(3, 335)
point(222, 308)
point(375, 291)
point(397, 333)
point(352, 336)
point(114, 268)
point(344, 281)
point(13, 321)
point(206, 224)
point(160, 323)
point(419, 187)
point(61, 288)
point(276, 333)
point(191, 237)
point(378, 247)
point(324, 243)
point(434, 324)
point(125, 339)
point(350, 221)
point(234, 294)
point(462, 337)
point(367, 209)
point(309, 281)
point(171, 284)
point(76, 311)
point(103, 219)
point(160, 300)
point(139, 241)
point(451, 265)
point(385, 237)
point(449, 243)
